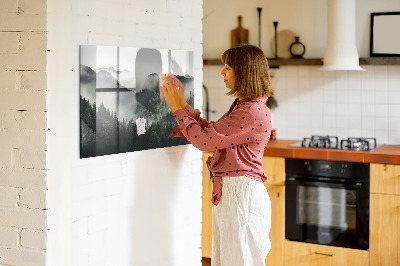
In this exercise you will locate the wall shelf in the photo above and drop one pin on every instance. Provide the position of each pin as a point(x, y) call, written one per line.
point(274, 63)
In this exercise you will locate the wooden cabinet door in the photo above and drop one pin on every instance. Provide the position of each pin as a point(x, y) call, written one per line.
point(277, 233)
point(274, 168)
point(304, 254)
point(385, 178)
point(384, 237)
point(206, 226)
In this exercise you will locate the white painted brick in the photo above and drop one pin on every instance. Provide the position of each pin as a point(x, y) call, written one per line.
point(33, 159)
point(23, 100)
point(22, 218)
point(17, 256)
point(8, 197)
point(8, 237)
point(7, 79)
point(33, 199)
point(8, 6)
point(5, 158)
point(33, 239)
point(23, 178)
point(31, 56)
point(22, 22)
point(9, 42)
point(31, 80)
point(36, 7)
point(15, 139)
point(35, 120)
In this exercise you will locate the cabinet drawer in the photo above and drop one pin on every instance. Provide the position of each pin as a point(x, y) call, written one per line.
point(297, 254)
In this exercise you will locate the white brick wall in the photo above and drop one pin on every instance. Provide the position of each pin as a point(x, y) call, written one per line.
point(23, 132)
point(140, 208)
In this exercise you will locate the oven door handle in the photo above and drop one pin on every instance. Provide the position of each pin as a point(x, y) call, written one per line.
point(357, 185)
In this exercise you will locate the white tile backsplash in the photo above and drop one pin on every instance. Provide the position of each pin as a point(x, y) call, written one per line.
point(343, 103)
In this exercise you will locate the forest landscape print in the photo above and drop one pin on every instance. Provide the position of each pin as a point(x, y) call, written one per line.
point(120, 103)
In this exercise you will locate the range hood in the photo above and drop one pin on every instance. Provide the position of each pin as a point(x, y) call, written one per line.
point(341, 51)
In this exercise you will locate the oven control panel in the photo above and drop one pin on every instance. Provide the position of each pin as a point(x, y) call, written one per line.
point(338, 169)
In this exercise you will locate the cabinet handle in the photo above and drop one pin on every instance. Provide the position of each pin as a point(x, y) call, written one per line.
point(324, 254)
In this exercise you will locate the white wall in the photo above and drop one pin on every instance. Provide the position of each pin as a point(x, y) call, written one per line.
point(140, 208)
point(311, 102)
point(23, 133)
point(306, 19)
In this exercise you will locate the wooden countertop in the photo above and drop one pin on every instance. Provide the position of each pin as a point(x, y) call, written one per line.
point(389, 154)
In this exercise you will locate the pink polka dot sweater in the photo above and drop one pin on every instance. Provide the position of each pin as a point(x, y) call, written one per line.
point(238, 139)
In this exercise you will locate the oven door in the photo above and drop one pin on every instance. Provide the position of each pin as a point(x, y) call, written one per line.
point(327, 213)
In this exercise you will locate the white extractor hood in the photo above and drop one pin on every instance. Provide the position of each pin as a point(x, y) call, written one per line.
point(341, 51)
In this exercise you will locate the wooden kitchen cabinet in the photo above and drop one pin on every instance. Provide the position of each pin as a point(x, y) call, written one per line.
point(305, 254)
point(277, 233)
point(385, 178)
point(384, 236)
point(274, 168)
point(385, 215)
point(206, 225)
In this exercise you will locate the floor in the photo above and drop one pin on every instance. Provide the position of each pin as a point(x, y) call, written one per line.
point(206, 261)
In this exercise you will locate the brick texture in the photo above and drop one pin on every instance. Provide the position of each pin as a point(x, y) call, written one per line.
point(23, 126)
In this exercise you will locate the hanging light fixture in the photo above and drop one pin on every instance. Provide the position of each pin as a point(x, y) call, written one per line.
point(341, 51)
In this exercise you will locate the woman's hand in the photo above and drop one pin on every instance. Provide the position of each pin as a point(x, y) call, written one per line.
point(172, 96)
point(181, 90)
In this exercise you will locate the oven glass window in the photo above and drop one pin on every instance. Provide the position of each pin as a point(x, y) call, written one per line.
point(326, 207)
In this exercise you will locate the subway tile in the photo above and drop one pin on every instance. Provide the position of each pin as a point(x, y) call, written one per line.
point(304, 72)
point(381, 110)
point(394, 83)
point(381, 84)
point(382, 123)
point(355, 132)
point(292, 82)
point(394, 137)
point(382, 136)
point(394, 123)
point(329, 109)
point(394, 110)
point(355, 122)
point(355, 109)
point(367, 133)
point(304, 82)
point(380, 71)
point(367, 96)
point(394, 97)
point(342, 96)
point(342, 109)
point(291, 71)
point(355, 96)
point(394, 71)
point(367, 122)
point(342, 122)
point(367, 110)
point(354, 84)
point(380, 97)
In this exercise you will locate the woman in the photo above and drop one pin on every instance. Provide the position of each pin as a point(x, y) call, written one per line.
point(242, 208)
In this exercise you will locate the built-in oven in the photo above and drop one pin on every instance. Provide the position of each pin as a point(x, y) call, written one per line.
point(327, 202)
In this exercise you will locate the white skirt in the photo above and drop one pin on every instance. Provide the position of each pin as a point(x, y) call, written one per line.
point(241, 223)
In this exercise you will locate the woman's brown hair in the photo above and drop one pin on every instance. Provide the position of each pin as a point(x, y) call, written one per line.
point(250, 66)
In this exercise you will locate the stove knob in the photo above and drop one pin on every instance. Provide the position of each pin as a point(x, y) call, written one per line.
point(343, 168)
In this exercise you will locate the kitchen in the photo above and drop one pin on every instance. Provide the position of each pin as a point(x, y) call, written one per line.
point(313, 104)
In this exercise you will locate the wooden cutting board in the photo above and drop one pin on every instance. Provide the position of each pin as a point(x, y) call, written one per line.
point(239, 35)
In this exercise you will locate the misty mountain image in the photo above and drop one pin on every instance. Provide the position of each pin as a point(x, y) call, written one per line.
point(88, 83)
point(126, 78)
point(107, 131)
point(107, 79)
